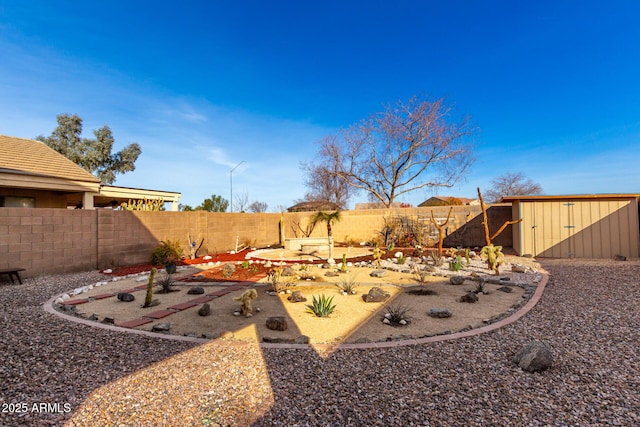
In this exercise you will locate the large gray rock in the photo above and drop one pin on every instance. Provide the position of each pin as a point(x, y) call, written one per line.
point(297, 296)
point(378, 273)
point(376, 294)
point(456, 280)
point(469, 297)
point(205, 310)
point(535, 356)
point(161, 327)
point(196, 290)
point(126, 297)
point(440, 313)
point(277, 323)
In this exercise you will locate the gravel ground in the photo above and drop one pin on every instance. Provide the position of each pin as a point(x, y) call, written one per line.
point(589, 313)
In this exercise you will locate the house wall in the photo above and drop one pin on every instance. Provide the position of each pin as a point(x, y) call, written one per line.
point(49, 241)
point(600, 228)
point(43, 198)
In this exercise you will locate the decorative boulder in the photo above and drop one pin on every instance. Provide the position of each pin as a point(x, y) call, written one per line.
point(469, 297)
point(440, 313)
point(196, 290)
point(378, 273)
point(126, 297)
point(205, 310)
point(376, 295)
point(297, 296)
point(505, 289)
point(288, 271)
point(161, 327)
point(277, 323)
point(519, 268)
point(620, 258)
point(456, 280)
point(331, 274)
point(534, 356)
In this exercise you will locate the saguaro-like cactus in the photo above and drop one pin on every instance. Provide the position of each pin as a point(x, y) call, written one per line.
point(149, 297)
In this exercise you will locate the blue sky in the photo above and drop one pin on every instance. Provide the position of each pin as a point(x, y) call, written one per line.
point(553, 86)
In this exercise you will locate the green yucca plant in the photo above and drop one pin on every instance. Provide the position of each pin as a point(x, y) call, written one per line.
point(322, 306)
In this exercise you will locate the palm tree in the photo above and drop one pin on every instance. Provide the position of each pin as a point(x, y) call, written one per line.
point(329, 218)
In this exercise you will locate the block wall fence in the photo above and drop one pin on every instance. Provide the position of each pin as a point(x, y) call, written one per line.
point(52, 241)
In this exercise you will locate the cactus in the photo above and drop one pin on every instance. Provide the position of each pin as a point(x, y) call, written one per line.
point(344, 263)
point(494, 257)
point(143, 204)
point(377, 255)
point(149, 297)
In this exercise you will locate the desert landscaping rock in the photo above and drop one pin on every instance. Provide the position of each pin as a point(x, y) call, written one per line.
point(378, 273)
point(196, 290)
point(535, 356)
point(440, 313)
point(161, 327)
point(456, 280)
point(110, 377)
point(205, 310)
point(469, 297)
point(277, 323)
point(505, 289)
point(297, 296)
point(376, 294)
point(126, 297)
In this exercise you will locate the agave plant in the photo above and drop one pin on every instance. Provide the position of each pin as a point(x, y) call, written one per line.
point(322, 306)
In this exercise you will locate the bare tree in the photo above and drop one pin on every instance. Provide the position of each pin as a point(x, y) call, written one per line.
point(326, 185)
point(241, 201)
point(390, 153)
point(257, 207)
point(512, 184)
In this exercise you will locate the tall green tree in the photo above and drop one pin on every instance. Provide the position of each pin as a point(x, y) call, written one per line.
point(214, 204)
point(94, 155)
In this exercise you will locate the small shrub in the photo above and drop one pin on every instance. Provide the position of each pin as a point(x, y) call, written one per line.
point(343, 268)
point(306, 272)
point(165, 283)
point(397, 314)
point(228, 270)
point(436, 259)
point(401, 260)
point(480, 287)
point(245, 265)
point(322, 306)
point(348, 286)
point(420, 273)
point(167, 252)
point(275, 278)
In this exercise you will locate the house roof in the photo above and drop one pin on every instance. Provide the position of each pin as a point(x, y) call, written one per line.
point(507, 199)
point(446, 199)
point(314, 205)
point(29, 157)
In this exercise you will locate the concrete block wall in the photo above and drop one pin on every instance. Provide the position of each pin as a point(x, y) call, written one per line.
point(49, 241)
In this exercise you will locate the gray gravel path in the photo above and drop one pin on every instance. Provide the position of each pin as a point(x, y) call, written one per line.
point(589, 313)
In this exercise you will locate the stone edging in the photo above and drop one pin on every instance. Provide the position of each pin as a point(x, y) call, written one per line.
point(48, 307)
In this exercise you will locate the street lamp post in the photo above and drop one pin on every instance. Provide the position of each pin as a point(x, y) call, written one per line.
point(231, 183)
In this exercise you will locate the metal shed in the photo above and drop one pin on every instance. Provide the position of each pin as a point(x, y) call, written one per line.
point(576, 226)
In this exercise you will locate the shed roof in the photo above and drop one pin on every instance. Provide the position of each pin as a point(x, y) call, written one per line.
point(29, 157)
point(507, 199)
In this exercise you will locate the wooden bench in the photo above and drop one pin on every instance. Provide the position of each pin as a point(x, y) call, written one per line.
point(12, 272)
